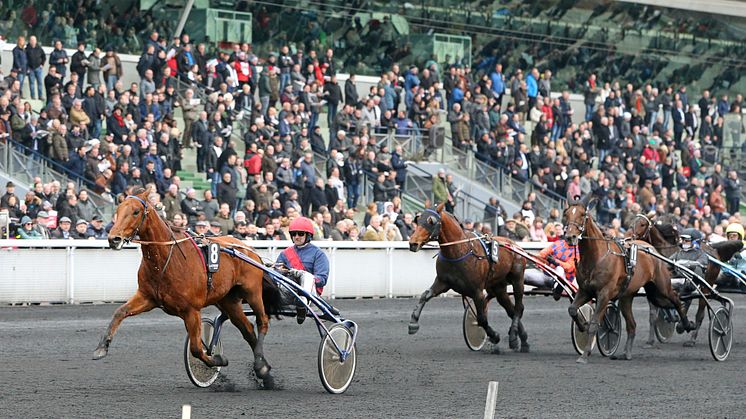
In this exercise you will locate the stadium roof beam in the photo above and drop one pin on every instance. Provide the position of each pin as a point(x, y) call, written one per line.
point(719, 7)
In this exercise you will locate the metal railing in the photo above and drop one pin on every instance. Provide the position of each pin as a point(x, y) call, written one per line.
point(501, 181)
point(25, 164)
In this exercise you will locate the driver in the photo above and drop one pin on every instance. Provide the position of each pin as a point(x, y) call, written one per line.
point(307, 262)
point(691, 255)
point(560, 255)
point(734, 231)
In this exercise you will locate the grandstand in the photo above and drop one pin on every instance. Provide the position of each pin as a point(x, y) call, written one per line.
point(659, 123)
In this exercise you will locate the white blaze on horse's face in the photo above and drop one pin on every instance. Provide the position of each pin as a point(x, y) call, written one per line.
point(573, 211)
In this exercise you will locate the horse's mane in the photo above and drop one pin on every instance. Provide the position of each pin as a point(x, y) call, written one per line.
point(726, 249)
point(668, 231)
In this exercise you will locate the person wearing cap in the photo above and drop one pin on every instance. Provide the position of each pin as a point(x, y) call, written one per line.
point(63, 229)
point(215, 229)
point(307, 262)
point(96, 228)
point(691, 256)
point(27, 230)
point(10, 190)
point(735, 231)
point(201, 228)
point(81, 230)
point(42, 218)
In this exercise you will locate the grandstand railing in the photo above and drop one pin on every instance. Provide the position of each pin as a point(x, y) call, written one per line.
point(71, 270)
point(26, 164)
point(501, 181)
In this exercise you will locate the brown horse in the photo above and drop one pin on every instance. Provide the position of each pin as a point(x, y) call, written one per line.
point(466, 268)
point(172, 276)
point(602, 274)
point(664, 237)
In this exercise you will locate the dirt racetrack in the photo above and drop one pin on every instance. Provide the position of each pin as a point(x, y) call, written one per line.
point(47, 369)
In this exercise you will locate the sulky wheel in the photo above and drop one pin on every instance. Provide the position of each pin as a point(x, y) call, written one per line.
point(663, 327)
point(474, 336)
point(609, 331)
point(336, 375)
point(721, 334)
point(200, 374)
point(580, 339)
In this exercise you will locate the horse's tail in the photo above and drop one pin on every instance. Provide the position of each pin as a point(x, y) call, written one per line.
point(271, 295)
point(656, 297)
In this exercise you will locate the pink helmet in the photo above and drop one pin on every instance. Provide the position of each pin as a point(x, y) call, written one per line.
point(302, 224)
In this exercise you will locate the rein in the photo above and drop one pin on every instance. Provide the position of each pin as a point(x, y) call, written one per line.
point(172, 243)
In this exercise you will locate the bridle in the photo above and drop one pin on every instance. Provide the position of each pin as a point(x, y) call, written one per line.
point(171, 243)
point(433, 230)
point(647, 229)
point(145, 212)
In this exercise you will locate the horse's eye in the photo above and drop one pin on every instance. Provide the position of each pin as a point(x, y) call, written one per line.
point(136, 212)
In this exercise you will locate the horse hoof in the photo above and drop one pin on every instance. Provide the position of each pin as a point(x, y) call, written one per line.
point(261, 368)
point(647, 346)
point(581, 360)
point(413, 328)
point(622, 357)
point(268, 383)
point(100, 353)
point(513, 339)
point(525, 348)
point(495, 350)
point(219, 360)
point(495, 339)
point(689, 344)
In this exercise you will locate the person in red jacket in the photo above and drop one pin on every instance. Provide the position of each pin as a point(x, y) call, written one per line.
point(243, 69)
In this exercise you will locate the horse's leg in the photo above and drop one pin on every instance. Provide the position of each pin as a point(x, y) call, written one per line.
point(519, 307)
point(652, 317)
point(698, 319)
point(261, 366)
point(193, 324)
point(480, 306)
point(580, 298)
point(602, 300)
point(511, 310)
point(136, 305)
point(436, 289)
point(625, 306)
point(685, 325)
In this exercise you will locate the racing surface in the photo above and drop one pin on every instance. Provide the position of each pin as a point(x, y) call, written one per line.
point(47, 369)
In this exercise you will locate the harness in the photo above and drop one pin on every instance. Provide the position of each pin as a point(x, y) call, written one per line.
point(629, 257)
point(173, 243)
point(435, 234)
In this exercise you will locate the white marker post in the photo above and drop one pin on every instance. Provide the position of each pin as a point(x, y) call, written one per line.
point(489, 407)
point(186, 411)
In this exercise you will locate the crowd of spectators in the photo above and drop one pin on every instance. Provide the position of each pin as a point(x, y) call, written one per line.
point(644, 148)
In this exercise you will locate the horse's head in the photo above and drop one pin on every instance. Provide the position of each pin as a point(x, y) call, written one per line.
point(130, 216)
point(641, 227)
point(575, 217)
point(427, 228)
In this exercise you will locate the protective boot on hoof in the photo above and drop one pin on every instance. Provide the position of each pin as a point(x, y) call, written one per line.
point(100, 352)
point(219, 360)
point(261, 368)
point(525, 348)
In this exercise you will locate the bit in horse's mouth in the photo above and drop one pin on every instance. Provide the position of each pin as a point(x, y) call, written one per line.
point(415, 247)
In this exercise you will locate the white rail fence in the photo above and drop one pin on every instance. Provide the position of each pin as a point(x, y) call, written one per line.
point(80, 271)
